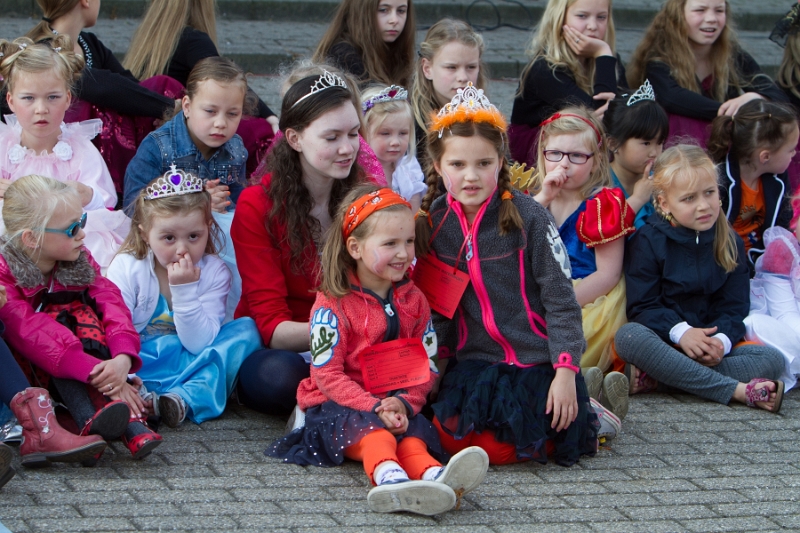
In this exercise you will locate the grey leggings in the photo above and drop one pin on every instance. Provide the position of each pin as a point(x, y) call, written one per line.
point(640, 346)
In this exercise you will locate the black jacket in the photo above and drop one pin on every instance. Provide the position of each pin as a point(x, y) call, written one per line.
point(777, 202)
point(671, 277)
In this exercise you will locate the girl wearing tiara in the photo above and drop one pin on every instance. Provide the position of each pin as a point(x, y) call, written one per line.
point(176, 289)
point(516, 390)
point(389, 130)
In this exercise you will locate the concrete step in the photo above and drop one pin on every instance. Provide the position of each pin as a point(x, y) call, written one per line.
point(261, 47)
point(748, 14)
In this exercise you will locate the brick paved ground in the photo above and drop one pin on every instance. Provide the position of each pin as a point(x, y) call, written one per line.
point(680, 464)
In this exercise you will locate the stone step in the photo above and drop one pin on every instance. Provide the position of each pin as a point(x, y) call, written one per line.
point(748, 14)
point(261, 47)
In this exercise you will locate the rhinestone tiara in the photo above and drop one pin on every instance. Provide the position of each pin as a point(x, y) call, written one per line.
point(645, 92)
point(468, 105)
point(174, 182)
point(326, 80)
point(393, 92)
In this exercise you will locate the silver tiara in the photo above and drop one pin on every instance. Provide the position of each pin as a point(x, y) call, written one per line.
point(393, 92)
point(173, 183)
point(326, 80)
point(645, 92)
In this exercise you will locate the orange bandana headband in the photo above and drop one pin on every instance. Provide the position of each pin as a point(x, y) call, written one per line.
point(364, 206)
point(468, 105)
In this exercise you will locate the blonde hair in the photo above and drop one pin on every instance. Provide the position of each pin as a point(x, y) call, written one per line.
point(548, 43)
point(446, 31)
point(356, 22)
point(23, 55)
point(573, 125)
point(52, 10)
point(789, 71)
point(155, 40)
point(145, 211)
point(509, 218)
point(376, 115)
point(686, 160)
point(667, 41)
point(29, 204)
point(337, 263)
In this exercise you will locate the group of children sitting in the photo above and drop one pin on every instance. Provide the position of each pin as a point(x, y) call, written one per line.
point(426, 323)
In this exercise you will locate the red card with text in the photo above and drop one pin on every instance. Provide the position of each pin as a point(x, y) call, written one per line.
point(394, 365)
point(441, 284)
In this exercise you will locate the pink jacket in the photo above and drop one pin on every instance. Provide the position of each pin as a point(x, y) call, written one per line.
point(353, 323)
point(43, 341)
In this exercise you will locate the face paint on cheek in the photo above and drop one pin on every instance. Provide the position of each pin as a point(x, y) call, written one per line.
point(449, 184)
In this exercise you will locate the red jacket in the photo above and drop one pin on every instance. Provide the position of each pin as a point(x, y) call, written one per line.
point(359, 320)
point(271, 292)
point(45, 342)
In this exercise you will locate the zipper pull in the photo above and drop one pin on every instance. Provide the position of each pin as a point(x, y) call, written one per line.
point(697, 237)
point(469, 247)
point(388, 309)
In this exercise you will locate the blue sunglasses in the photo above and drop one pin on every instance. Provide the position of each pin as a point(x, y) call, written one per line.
point(73, 228)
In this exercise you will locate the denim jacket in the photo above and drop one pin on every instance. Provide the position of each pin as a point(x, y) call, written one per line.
point(170, 144)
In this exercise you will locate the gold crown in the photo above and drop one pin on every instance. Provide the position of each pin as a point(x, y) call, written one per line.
point(521, 179)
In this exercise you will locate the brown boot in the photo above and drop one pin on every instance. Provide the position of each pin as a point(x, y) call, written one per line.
point(43, 440)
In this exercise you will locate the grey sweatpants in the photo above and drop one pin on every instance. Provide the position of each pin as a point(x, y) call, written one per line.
point(640, 346)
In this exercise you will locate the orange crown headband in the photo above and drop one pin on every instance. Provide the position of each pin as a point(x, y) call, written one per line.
point(468, 105)
point(586, 120)
point(364, 206)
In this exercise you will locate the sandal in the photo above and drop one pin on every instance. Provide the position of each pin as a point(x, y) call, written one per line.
point(754, 395)
point(639, 381)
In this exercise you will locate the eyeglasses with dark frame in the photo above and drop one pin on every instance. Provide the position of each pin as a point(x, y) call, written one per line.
point(576, 158)
point(72, 230)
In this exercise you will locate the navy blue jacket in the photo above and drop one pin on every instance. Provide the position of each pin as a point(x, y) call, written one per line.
point(777, 202)
point(671, 276)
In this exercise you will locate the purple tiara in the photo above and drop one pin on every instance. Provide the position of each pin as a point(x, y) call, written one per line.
point(174, 182)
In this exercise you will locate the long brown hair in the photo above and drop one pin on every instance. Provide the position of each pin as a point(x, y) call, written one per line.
point(145, 211)
point(686, 160)
point(667, 41)
point(51, 10)
point(757, 125)
point(509, 218)
point(446, 31)
point(789, 71)
point(356, 23)
point(154, 41)
point(548, 43)
point(337, 263)
point(291, 200)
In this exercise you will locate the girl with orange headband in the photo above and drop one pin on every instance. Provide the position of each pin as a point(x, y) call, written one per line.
point(373, 351)
point(510, 327)
point(574, 184)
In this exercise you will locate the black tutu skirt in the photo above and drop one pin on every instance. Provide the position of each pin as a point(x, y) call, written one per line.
point(330, 428)
point(511, 401)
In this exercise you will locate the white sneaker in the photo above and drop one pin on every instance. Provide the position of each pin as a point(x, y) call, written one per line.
point(296, 420)
point(465, 471)
point(421, 497)
point(172, 409)
point(593, 377)
point(610, 425)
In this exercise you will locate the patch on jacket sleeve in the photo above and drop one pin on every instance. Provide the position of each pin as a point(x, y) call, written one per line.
point(431, 345)
point(324, 335)
point(559, 250)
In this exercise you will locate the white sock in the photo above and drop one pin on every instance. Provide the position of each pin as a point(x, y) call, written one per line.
point(431, 473)
point(389, 471)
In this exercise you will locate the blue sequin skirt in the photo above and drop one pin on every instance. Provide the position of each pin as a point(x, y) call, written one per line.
point(330, 428)
point(511, 401)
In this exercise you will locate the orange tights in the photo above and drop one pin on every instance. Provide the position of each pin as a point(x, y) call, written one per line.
point(380, 445)
point(500, 453)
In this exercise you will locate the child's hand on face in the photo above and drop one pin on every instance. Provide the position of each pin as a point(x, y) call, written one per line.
point(183, 272)
point(551, 185)
point(562, 399)
point(643, 188)
point(3, 186)
point(696, 342)
point(585, 46)
point(219, 195)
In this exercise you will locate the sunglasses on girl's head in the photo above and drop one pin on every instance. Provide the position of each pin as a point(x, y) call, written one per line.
point(73, 228)
point(576, 158)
